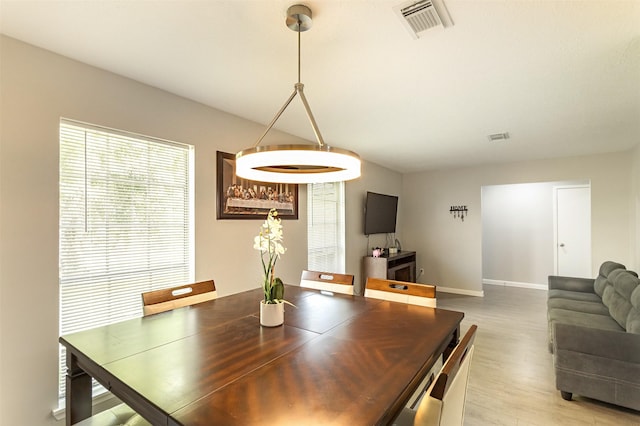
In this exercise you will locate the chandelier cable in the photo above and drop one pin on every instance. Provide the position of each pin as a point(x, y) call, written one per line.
point(299, 23)
point(298, 89)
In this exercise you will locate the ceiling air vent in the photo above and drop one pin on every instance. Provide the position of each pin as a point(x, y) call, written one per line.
point(422, 15)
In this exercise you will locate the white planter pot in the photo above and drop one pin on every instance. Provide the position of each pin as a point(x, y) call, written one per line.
point(271, 314)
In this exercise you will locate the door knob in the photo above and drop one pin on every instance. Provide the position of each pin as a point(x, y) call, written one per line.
point(561, 244)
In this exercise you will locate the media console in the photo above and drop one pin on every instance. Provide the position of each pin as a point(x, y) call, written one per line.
point(400, 266)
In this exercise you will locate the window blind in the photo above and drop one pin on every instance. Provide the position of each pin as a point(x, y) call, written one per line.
point(325, 229)
point(126, 224)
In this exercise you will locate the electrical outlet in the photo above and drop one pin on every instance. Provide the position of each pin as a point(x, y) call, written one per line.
point(421, 271)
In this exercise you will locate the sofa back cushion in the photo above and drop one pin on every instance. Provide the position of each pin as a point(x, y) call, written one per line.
point(608, 266)
point(617, 295)
point(601, 280)
point(633, 319)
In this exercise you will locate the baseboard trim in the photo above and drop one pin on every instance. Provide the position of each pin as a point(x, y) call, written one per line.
point(515, 284)
point(459, 291)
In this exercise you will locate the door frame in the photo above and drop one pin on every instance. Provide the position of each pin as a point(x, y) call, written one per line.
point(555, 221)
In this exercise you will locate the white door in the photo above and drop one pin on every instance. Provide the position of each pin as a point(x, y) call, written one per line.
point(573, 231)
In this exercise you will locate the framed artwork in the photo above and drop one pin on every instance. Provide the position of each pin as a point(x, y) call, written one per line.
point(239, 198)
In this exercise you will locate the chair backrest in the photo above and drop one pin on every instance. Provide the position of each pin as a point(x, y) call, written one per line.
point(337, 283)
point(167, 299)
point(443, 403)
point(401, 291)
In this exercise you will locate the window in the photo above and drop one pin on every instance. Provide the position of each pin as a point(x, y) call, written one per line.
point(126, 224)
point(325, 229)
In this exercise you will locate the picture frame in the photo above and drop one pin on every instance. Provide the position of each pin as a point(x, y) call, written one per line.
point(239, 198)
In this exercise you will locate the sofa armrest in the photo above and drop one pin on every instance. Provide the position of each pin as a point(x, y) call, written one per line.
point(609, 344)
point(583, 285)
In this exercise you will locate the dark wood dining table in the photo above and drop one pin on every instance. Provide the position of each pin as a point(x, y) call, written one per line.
point(338, 359)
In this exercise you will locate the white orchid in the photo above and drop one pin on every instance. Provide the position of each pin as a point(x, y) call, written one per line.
point(269, 243)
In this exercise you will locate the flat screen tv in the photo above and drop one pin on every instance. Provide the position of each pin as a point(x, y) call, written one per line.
point(380, 213)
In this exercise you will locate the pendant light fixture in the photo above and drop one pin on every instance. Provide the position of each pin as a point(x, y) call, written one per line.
point(297, 163)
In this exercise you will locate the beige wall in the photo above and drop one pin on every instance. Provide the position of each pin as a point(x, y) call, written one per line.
point(450, 251)
point(38, 88)
point(378, 179)
point(635, 207)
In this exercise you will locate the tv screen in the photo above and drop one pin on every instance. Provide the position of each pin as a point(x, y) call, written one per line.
point(380, 213)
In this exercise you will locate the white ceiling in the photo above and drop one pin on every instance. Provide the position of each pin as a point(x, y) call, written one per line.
point(562, 77)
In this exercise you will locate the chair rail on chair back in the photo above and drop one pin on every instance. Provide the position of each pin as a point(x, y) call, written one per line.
point(157, 301)
point(401, 291)
point(337, 283)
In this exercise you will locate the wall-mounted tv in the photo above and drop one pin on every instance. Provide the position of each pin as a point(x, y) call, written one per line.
point(380, 213)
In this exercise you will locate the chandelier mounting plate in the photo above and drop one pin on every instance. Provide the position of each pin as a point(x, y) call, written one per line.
point(299, 18)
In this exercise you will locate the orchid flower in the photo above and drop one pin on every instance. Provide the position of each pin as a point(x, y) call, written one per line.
point(269, 243)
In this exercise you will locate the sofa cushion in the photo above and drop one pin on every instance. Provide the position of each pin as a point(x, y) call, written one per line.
point(599, 285)
point(601, 280)
point(589, 307)
point(608, 266)
point(574, 295)
point(609, 293)
point(617, 295)
point(584, 319)
point(625, 284)
point(633, 319)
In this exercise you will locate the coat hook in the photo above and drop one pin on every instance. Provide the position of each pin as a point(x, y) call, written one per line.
point(459, 212)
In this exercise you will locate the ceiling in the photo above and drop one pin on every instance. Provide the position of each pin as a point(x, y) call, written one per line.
point(562, 77)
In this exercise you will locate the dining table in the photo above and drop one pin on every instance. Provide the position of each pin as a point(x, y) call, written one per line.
point(337, 360)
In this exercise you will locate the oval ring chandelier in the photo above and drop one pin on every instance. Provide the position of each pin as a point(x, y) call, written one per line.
point(297, 163)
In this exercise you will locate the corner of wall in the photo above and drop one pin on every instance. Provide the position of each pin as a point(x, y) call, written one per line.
point(374, 178)
point(635, 207)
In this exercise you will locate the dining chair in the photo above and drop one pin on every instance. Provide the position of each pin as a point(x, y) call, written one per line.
point(157, 301)
point(120, 415)
point(336, 283)
point(154, 302)
point(401, 291)
point(443, 402)
point(409, 293)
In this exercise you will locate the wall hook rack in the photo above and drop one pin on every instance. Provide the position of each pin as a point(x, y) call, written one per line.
point(459, 212)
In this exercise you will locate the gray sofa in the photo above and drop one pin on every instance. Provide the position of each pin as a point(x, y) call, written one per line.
point(594, 335)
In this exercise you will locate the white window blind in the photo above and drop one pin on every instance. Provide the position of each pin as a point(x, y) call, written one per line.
point(126, 224)
point(325, 229)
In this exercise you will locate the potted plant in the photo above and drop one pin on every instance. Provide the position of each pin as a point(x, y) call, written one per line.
point(269, 243)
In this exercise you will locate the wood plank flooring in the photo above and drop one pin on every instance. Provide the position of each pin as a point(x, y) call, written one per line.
point(512, 380)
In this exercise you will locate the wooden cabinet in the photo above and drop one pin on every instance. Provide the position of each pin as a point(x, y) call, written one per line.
point(400, 266)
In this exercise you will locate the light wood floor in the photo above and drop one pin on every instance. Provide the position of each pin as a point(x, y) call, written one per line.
point(512, 380)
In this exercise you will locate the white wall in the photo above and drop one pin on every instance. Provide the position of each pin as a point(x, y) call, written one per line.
point(518, 233)
point(451, 251)
point(38, 88)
